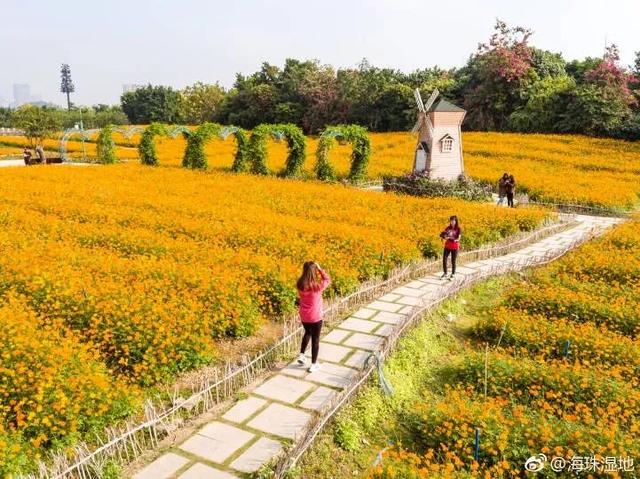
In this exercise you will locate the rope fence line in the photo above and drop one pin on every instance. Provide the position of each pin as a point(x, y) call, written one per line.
point(126, 442)
point(290, 458)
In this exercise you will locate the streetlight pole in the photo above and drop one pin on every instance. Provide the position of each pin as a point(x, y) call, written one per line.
point(84, 151)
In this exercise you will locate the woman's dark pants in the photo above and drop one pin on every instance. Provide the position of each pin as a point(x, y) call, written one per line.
point(454, 257)
point(311, 332)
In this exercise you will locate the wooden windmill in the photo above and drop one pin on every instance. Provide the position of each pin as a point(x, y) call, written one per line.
point(439, 147)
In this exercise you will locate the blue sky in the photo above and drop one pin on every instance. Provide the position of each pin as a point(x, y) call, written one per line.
point(176, 43)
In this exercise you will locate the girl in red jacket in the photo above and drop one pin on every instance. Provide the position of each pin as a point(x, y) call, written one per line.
point(311, 284)
point(451, 235)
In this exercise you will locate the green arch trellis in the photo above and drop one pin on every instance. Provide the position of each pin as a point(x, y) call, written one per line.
point(251, 152)
point(355, 135)
point(85, 135)
point(147, 145)
point(296, 145)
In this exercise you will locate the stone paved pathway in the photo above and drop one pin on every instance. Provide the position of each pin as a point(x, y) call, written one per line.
point(5, 163)
point(255, 429)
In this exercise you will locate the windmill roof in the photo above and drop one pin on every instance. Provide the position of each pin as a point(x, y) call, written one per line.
point(444, 105)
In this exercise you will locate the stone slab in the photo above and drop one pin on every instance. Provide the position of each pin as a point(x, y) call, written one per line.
point(406, 310)
point(163, 467)
point(296, 370)
point(201, 471)
point(317, 398)
point(244, 409)
point(283, 388)
point(410, 300)
point(360, 325)
point(216, 441)
point(263, 450)
point(330, 352)
point(336, 336)
point(364, 341)
point(404, 291)
point(384, 306)
point(389, 297)
point(332, 375)
point(282, 421)
point(465, 270)
point(357, 359)
point(364, 313)
point(387, 317)
point(384, 330)
point(416, 283)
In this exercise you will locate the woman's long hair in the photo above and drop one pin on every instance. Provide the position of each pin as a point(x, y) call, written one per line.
point(308, 281)
point(455, 218)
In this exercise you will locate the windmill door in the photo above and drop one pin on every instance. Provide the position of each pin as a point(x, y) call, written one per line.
point(420, 163)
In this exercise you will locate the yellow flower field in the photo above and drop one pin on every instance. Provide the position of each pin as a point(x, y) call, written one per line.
point(550, 168)
point(562, 374)
point(127, 275)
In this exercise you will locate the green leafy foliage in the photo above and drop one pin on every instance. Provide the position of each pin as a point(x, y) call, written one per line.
point(105, 146)
point(36, 122)
point(152, 103)
point(147, 147)
point(358, 138)
point(297, 145)
point(257, 149)
point(421, 185)
point(194, 154)
point(240, 161)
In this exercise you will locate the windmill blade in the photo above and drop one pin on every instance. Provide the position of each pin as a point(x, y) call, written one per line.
point(418, 97)
point(418, 124)
point(431, 99)
point(429, 124)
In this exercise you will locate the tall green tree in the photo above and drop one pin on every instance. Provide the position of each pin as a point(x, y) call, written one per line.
point(491, 83)
point(152, 103)
point(201, 102)
point(66, 84)
point(37, 122)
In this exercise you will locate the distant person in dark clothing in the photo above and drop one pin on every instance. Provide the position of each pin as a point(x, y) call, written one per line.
point(26, 156)
point(451, 236)
point(511, 189)
point(502, 188)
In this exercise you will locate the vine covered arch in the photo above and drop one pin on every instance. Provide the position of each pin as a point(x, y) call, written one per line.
point(194, 155)
point(86, 135)
point(147, 145)
point(357, 136)
point(241, 158)
point(105, 146)
point(296, 145)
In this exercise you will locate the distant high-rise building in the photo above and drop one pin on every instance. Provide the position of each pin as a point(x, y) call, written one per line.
point(21, 93)
point(129, 87)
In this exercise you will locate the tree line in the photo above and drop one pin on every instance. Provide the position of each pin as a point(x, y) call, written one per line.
point(508, 84)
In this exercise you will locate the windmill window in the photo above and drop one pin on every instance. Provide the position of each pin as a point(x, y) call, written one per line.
point(447, 145)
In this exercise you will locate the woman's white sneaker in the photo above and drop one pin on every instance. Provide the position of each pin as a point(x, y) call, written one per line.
point(314, 367)
point(302, 359)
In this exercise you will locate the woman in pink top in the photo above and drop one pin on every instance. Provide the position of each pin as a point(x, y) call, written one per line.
point(310, 287)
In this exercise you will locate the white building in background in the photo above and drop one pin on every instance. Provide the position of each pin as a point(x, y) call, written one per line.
point(130, 87)
point(22, 96)
point(21, 93)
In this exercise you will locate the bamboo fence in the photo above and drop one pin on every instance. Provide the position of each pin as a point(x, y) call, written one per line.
point(123, 443)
